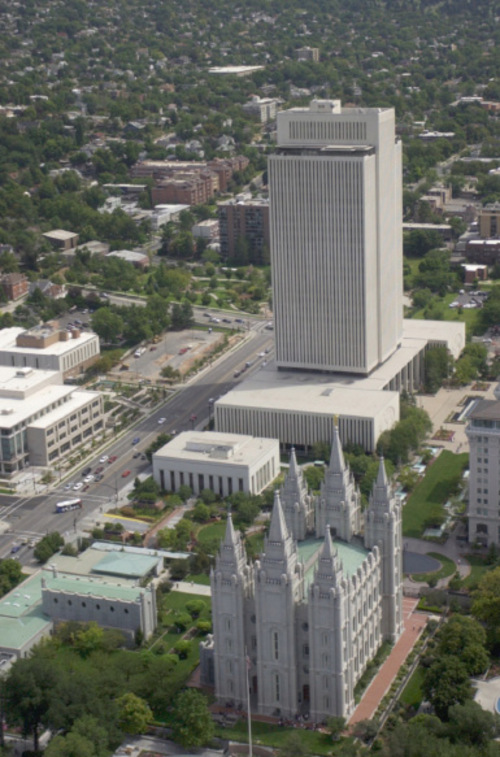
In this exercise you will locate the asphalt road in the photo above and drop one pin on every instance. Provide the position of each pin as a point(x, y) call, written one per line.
point(33, 516)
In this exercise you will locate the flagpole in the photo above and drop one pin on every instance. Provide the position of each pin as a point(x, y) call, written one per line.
point(249, 714)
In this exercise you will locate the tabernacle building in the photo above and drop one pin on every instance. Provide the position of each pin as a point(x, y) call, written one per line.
point(312, 612)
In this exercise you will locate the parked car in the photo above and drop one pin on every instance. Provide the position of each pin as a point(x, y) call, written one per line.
point(77, 486)
point(104, 459)
point(112, 459)
point(86, 471)
point(161, 421)
point(125, 473)
point(15, 549)
point(136, 440)
point(99, 469)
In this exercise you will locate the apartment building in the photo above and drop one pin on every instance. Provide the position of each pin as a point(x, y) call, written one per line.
point(245, 220)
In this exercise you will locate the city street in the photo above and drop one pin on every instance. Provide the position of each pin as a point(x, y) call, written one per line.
point(33, 515)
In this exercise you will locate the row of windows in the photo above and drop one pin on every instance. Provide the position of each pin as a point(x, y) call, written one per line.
point(96, 606)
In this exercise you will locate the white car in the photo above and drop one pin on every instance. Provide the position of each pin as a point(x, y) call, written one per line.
point(68, 486)
point(104, 459)
point(161, 421)
point(261, 354)
point(88, 479)
point(77, 486)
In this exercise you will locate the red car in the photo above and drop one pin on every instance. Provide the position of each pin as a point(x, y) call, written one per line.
point(99, 469)
point(112, 459)
point(125, 473)
point(193, 417)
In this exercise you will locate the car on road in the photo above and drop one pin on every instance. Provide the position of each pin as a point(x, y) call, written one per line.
point(238, 320)
point(207, 315)
point(267, 350)
point(237, 374)
point(104, 459)
point(99, 469)
point(261, 354)
point(226, 320)
point(99, 477)
point(112, 459)
point(136, 455)
point(86, 471)
point(269, 326)
point(77, 486)
point(15, 549)
point(214, 320)
point(161, 421)
point(88, 479)
point(68, 486)
point(193, 417)
point(86, 488)
point(136, 440)
point(125, 473)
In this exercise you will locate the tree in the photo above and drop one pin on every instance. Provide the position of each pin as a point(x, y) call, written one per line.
point(107, 324)
point(446, 683)
point(10, 574)
point(336, 725)
point(486, 604)
point(48, 546)
point(470, 724)
point(28, 694)
point(436, 368)
point(71, 745)
point(193, 724)
point(134, 714)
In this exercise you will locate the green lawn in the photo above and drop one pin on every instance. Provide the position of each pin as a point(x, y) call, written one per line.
point(478, 569)
point(469, 317)
point(208, 534)
point(270, 735)
point(199, 578)
point(412, 693)
point(447, 568)
point(429, 496)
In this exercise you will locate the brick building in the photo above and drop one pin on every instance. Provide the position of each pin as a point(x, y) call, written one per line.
point(247, 220)
point(14, 285)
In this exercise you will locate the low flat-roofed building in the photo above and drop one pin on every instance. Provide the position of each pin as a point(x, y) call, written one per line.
point(138, 259)
point(234, 70)
point(299, 407)
point(222, 462)
point(50, 348)
point(41, 419)
point(100, 584)
point(61, 239)
point(207, 229)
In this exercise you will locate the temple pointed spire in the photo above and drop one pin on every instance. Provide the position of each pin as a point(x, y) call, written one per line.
point(382, 474)
point(277, 530)
point(230, 539)
point(293, 469)
point(337, 464)
point(328, 551)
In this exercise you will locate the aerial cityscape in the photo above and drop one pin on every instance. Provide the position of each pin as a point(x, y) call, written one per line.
point(250, 379)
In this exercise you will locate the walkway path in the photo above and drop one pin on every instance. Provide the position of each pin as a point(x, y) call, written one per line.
point(414, 623)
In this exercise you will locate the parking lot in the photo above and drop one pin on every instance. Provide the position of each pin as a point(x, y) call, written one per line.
point(179, 349)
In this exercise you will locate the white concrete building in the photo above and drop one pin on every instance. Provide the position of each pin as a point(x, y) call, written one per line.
point(336, 241)
point(298, 407)
point(310, 615)
point(42, 420)
point(265, 108)
point(49, 348)
point(483, 432)
point(224, 463)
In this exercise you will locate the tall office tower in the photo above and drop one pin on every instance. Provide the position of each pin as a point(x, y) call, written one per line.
point(336, 241)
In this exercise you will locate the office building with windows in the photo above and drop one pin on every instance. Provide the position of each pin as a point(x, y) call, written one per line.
point(43, 420)
point(310, 614)
point(483, 433)
point(335, 221)
point(335, 187)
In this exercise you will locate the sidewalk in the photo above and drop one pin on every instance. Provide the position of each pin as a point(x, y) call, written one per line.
point(414, 623)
